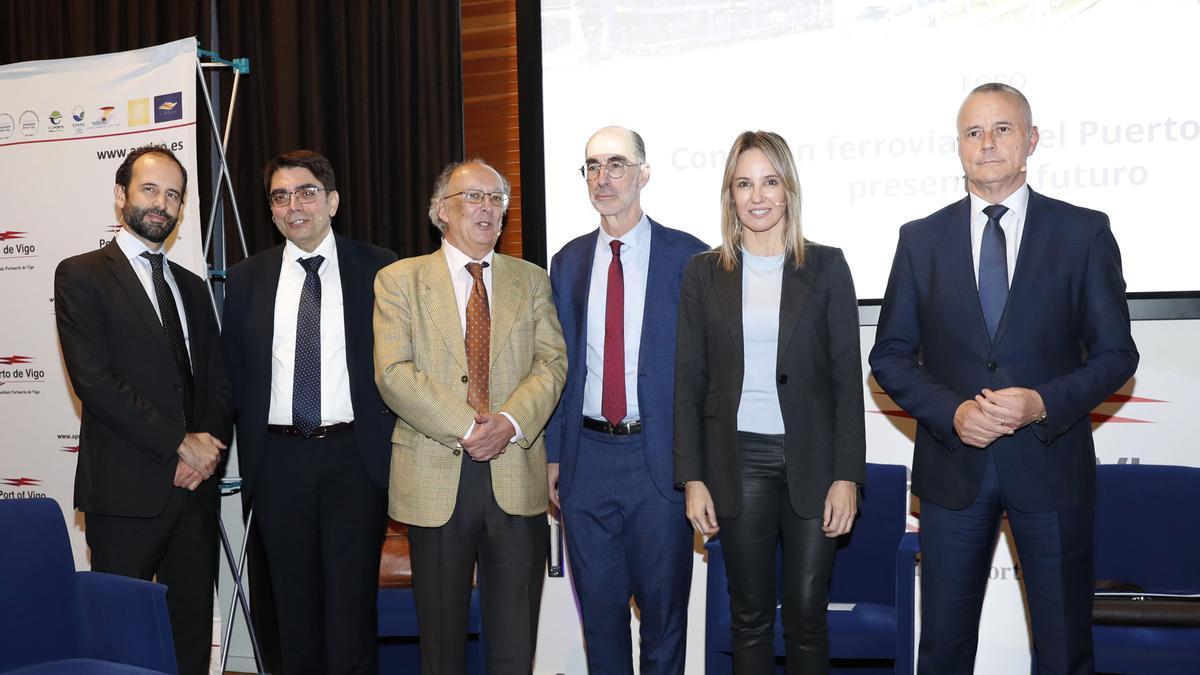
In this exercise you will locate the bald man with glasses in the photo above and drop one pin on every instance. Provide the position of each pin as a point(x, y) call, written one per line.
point(611, 439)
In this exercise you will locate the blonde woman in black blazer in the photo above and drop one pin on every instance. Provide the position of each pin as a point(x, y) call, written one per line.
point(769, 439)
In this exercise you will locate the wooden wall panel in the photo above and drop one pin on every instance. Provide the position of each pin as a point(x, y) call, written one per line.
point(490, 111)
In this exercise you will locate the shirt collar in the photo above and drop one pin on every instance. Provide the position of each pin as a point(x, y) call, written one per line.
point(1017, 203)
point(327, 248)
point(131, 246)
point(458, 260)
point(638, 236)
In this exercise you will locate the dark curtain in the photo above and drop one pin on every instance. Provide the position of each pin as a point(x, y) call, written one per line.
point(374, 85)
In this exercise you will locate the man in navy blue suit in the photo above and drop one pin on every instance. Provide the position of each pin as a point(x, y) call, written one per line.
point(609, 443)
point(1004, 324)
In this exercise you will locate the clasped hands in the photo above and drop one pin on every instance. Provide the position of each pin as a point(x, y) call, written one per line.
point(490, 437)
point(199, 454)
point(992, 414)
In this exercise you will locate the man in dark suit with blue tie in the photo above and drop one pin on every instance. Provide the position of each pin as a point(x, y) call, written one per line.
point(1004, 324)
point(313, 434)
point(610, 441)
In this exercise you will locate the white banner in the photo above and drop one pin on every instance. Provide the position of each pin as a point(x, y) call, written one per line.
point(65, 127)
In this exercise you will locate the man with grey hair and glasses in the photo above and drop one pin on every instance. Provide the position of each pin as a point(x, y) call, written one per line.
point(469, 355)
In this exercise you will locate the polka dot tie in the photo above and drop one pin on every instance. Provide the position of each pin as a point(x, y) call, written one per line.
point(479, 340)
point(306, 382)
point(173, 329)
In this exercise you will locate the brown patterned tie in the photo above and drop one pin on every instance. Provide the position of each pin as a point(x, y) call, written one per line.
point(479, 340)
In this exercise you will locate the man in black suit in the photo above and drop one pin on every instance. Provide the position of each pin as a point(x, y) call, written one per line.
point(1004, 323)
point(141, 346)
point(313, 435)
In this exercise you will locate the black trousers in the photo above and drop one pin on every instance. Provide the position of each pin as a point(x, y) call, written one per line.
point(178, 547)
point(749, 544)
point(511, 553)
point(322, 523)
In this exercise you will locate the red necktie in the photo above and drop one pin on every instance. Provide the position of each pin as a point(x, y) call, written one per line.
point(612, 401)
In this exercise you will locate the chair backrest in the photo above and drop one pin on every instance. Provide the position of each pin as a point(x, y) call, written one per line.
point(1148, 526)
point(37, 583)
point(864, 569)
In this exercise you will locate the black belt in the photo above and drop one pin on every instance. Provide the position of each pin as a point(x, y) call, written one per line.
point(623, 429)
point(319, 432)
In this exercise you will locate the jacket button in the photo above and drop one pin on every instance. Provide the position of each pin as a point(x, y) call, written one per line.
point(464, 379)
point(782, 379)
point(991, 366)
point(456, 452)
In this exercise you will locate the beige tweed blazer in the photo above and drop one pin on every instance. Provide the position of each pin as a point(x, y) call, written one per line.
point(421, 368)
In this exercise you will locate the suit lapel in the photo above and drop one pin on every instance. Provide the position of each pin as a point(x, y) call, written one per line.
point(660, 292)
point(508, 295)
point(437, 297)
point(1035, 240)
point(126, 278)
point(796, 288)
point(580, 269)
point(961, 262)
point(728, 288)
point(262, 313)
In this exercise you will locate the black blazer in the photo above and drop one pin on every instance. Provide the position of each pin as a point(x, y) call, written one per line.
point(124, 374)
point(818, 374)
point(250, 328)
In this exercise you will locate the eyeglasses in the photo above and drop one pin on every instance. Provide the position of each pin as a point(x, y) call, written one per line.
point(304, 195)
point(498, 199)
point(614, 167)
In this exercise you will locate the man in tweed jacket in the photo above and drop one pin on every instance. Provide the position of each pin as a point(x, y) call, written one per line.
point(470, 477)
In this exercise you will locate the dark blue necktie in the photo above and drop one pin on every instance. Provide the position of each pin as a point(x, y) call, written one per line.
point(993, 268)
point(306, 382)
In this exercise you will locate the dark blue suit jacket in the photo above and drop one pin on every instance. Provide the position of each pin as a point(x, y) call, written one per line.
point(249, 329)
point(1064, 333)
point(570, 277)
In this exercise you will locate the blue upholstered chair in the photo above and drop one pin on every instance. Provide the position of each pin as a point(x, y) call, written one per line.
point(874, 569)
point(1147, 534)
point(57, 620)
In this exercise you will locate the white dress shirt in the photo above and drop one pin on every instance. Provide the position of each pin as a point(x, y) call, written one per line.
point(462, 281)
point(635, 266)
point(1012, 222)
point(133, 247)
point(336, 405)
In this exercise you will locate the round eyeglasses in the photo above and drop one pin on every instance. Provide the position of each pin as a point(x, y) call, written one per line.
point(614, 167)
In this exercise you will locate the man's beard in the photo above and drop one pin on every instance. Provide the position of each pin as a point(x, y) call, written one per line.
point(135, 218)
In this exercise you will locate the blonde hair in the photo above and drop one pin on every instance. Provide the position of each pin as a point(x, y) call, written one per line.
point(780, 155)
